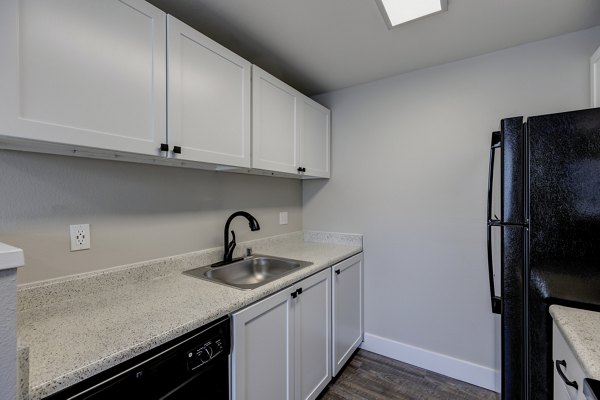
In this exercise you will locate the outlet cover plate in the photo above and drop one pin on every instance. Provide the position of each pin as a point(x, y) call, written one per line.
point(283, 218)
point(80, 237)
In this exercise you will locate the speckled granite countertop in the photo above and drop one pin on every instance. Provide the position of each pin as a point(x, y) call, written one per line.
point(581, 329)
point(78, 326)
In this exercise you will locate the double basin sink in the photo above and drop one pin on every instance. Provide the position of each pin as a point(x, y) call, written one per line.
point(249, 273)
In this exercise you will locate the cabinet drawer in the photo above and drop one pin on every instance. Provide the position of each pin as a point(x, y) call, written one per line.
point(572, 370)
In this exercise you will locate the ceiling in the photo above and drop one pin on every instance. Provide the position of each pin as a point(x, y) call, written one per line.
point(323, 45)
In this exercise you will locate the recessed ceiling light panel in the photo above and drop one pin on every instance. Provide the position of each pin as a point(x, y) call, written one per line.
point(396, 12)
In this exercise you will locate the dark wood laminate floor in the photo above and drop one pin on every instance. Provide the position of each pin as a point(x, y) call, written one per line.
point(369, 376)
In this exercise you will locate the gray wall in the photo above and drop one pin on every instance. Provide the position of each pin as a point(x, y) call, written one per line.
point(409, 170)
point(137, 212)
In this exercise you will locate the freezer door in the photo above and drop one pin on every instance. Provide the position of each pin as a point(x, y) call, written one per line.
point(564, 214)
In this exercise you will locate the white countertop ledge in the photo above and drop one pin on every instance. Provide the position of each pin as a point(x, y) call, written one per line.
point(78, 326)
point(10, 257)
point(581, 330)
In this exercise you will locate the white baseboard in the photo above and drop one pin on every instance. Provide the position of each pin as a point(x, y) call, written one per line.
point(462, 370)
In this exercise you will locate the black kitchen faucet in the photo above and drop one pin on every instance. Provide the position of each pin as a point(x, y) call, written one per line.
point(230, 246)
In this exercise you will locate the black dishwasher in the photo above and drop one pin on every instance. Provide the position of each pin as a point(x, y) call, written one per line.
point(193, 366)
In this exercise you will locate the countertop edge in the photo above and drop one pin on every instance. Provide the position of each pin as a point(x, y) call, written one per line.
point(10, 257)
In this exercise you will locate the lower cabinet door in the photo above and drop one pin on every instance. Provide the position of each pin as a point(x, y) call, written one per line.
point(262, 367)
point(347, 308)
point(560, 390)
point(570, 385)
point(282, 344)
point(312, 315)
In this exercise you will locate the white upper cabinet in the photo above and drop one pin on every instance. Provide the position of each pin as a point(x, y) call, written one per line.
point(208, 99)
point(84, 72)
point(290, 132)
point(315, 139)
point(122, 77)
point(274, 123)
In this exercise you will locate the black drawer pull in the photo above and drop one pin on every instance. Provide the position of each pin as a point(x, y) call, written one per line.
point(337, 271)
point(294, 295)
point(164, 147)
point(299, 291)
point(177, 149)
point(563, 376)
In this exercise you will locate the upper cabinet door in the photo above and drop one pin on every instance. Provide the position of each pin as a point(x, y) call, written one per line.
point(274, 123)
point(208, 99)
point(315, 139)
point(84, 73)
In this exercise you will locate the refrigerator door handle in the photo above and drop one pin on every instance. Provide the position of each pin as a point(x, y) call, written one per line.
point(497, 222)
point(496, 300)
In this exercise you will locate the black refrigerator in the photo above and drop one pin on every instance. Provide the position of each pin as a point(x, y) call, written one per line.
point(549, 237)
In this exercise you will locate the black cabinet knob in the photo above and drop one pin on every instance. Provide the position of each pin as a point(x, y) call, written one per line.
point(337, 271)
point(294, 294)
point(177, 149)
point(301, 169)
point(299, 291)
point(164, 147)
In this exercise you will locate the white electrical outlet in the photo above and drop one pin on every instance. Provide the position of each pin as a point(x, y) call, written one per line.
point(283, 218)
point(80, 237)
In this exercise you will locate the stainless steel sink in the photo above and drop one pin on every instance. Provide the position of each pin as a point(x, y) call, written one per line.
point(250, 272)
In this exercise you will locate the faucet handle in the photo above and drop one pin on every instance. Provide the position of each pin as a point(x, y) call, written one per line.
point(232, 243)
point(230, 248)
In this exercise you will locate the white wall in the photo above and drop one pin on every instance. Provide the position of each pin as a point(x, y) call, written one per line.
point(137, 212)
point(409, 170)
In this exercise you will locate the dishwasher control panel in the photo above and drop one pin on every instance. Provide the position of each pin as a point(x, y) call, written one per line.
point(202, 354)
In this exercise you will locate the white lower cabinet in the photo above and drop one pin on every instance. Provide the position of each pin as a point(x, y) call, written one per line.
point(263, 345)
point(312, 317)
point(281, 345)
point(347, 309)
point(569, 386)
